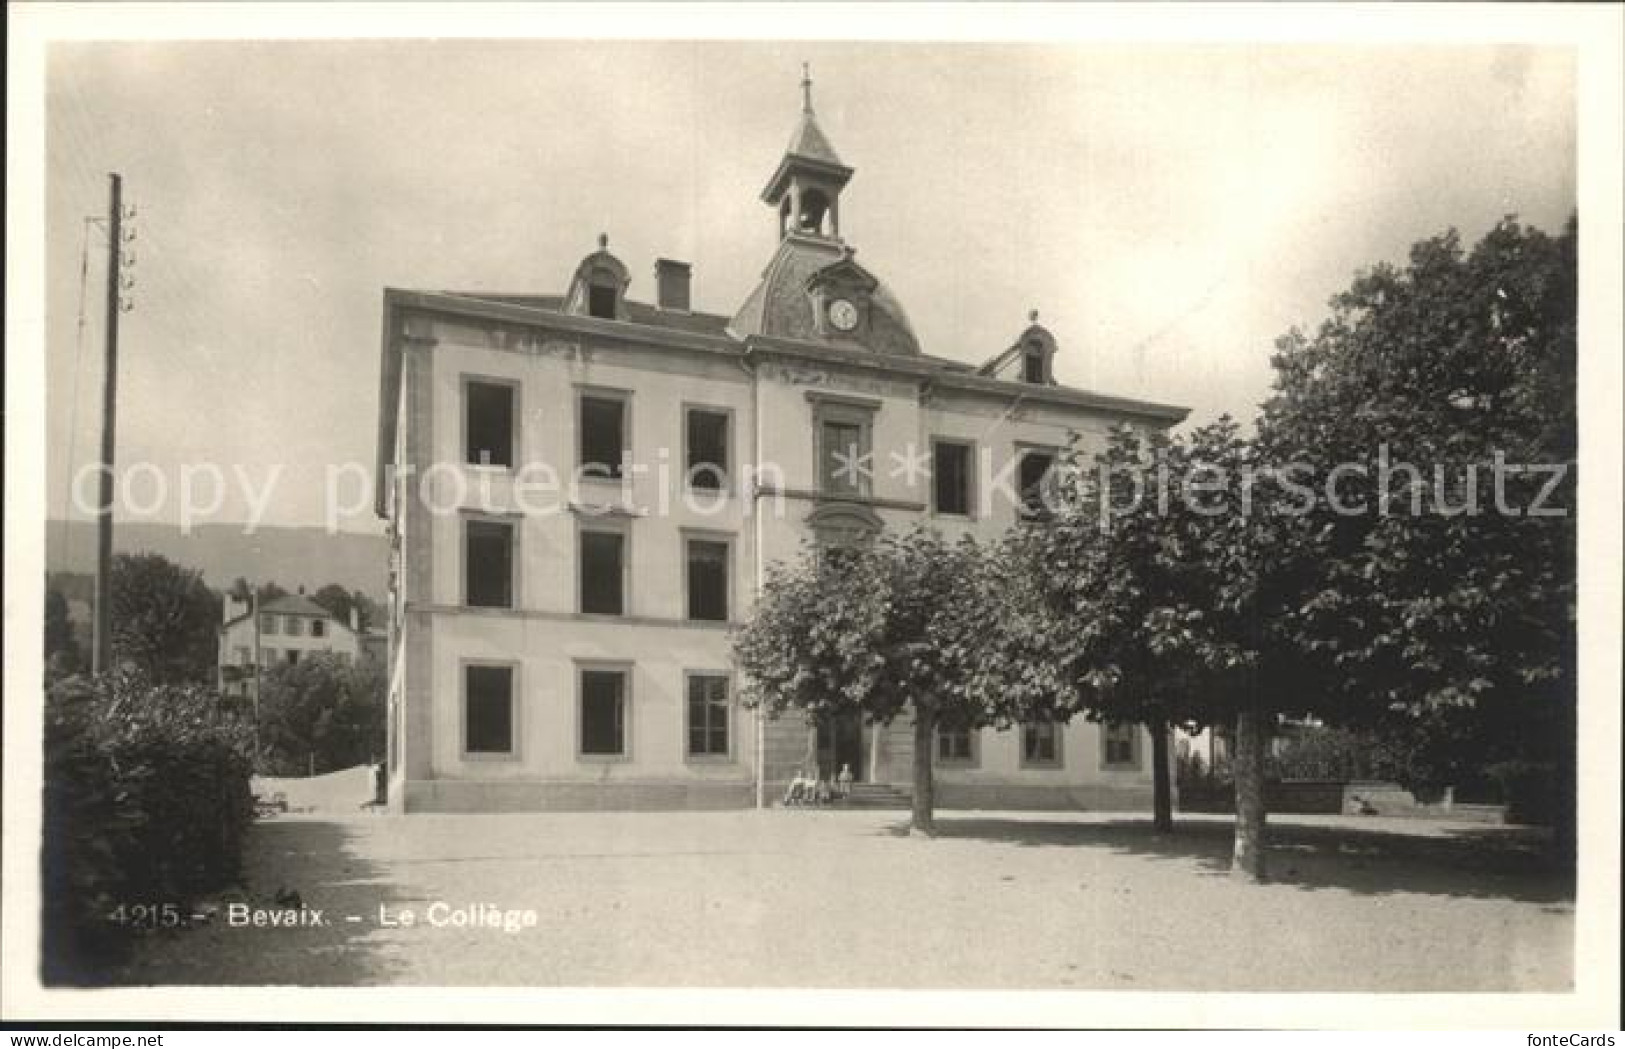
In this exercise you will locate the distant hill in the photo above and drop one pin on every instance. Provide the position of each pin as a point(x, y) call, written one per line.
point(292, 557)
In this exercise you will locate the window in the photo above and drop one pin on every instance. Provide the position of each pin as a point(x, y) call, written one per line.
point(708, 716)
point(843, 427)
point(840, 471)
point(1035, 467)
point(293, 626)
point(268, 654)
point(1032, 366)
point(708, 579)
point(243, 656)
point(318, 628)
point(292, 655)
point(488, 712)
point(1041, 744)
point(603, 579)
point(1119, 745)
point(267, 624)
point(706, 433)
point(956, 746)
point(601, 301)
point(951, 477)
point(603, 713)
point(603, 435)
point(488, 563)
point(488, 423)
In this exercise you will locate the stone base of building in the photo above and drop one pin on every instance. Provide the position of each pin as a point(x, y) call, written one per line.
point(447, 795)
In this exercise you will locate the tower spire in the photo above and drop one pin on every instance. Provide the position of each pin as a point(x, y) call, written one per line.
point(806, 88)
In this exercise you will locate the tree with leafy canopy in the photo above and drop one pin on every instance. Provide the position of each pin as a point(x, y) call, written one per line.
point(1427, 605)
point(341, 602)
point(1152, 595)
point(325, 711)
point(164, 619)
point(881, 629)
point(1107, 575)
point(61, 647)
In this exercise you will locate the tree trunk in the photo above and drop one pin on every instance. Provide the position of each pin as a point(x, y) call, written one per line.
point(924, 802)
point(1248, 763)
point(1162, 800)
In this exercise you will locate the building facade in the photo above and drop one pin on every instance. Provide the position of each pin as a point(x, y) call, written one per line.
point(583, 492)
point(281, 631)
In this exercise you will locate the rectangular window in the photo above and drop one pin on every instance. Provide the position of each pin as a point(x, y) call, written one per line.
point(293, 656)
point(267, 624)
point(488, 719)
point(1119, 747)
point(950, 476)
point(318, 628)
point(1033, 367)
point(707, 716)
point(1041, 744)
point(603, 713)
point(601, 301)
point(488, 419)
point(841, 469)
point(268, 654)
point(488, 563)
point(603, 436)
point(1034, 469)
point(707, 437)
point(956, 746)
point(244, 656)
point(708, 580)
point(603, 573)
point(293, 626)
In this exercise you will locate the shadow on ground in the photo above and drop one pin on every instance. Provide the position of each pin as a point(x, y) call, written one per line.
point(316, 859)
point(1511, 863)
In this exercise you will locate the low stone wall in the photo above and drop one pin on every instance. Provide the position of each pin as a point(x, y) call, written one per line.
point(1308, 797)
point(1044, 796)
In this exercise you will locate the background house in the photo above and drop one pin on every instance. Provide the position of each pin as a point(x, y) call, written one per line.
point(282, 630)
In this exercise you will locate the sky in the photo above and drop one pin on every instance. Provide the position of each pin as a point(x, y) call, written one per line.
point(1170, 210)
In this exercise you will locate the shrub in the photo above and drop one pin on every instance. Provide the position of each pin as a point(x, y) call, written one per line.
point(145, 804)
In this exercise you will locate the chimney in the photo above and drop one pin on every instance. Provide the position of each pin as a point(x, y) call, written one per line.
point(672, 278)
point(355, 620)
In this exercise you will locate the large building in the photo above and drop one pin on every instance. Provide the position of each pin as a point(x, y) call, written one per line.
point(584, 491)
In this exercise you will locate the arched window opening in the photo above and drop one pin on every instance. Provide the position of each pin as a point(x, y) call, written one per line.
point(601, 295)
point(1033, 367)
point(814, 206)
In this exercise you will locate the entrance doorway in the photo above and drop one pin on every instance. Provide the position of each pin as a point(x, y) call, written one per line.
point(840, 742)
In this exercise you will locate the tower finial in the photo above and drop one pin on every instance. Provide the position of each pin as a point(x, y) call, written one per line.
point(806, 88)
point(1032, 316)
point(603, 241)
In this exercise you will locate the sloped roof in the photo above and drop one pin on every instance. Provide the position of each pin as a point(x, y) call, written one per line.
point(637, 312)
point(296, 604)
point(809, 142)
point(781, 308)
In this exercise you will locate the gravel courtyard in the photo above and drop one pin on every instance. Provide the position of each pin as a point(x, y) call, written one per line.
point(842, 899)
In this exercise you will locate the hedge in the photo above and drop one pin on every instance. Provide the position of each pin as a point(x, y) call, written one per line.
point(146, 802)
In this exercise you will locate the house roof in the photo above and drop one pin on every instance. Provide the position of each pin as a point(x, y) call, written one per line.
point(809, 142)
point(289, 605)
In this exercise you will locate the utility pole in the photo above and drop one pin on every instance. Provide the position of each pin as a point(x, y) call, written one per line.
point(101, 651)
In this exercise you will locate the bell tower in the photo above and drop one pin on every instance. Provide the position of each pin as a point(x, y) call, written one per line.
point(805, 189)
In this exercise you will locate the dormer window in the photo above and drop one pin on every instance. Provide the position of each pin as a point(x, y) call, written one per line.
point(1032, 365)
point(599, 285)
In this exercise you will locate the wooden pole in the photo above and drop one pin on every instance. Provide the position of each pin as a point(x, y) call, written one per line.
point(101, 651)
